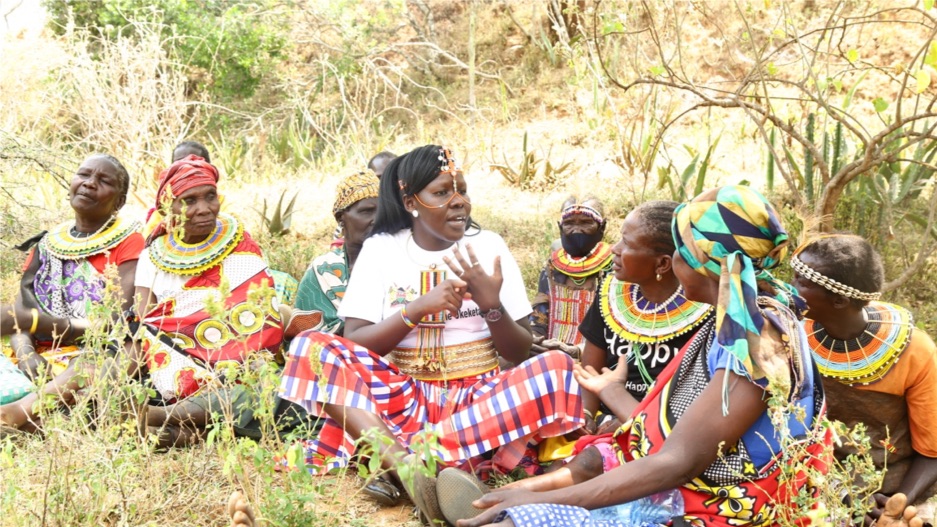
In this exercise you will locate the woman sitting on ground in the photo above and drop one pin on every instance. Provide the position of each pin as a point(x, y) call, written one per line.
point(182, 341)
point(638, 323)
point(186, 346)
point(66, 270)
point(433, 302)
point(323, 286)
point(702, 440)
point(878, 369)
point(570, 278)
point(640, 311)
point(283, 282)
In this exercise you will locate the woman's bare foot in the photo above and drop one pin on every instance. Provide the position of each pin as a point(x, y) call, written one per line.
point(898, 513)
point(241, 513)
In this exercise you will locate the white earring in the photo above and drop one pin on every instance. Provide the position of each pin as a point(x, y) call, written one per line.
point(415, 213)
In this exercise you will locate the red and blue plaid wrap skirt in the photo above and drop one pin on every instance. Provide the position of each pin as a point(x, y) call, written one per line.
point(536, 399)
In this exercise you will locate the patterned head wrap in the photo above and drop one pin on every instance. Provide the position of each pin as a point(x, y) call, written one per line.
point(733, 234)
point(185, 174)
point(355, 188)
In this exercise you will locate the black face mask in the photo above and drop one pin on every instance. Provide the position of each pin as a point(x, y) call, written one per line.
point(579, 244)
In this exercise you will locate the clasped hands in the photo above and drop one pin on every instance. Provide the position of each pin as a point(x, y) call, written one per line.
point(471, 283)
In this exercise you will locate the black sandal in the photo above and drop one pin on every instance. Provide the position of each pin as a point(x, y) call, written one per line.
point(382, 490)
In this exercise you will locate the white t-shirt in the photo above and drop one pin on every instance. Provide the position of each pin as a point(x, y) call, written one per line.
point(387, 277)
point(161, 283)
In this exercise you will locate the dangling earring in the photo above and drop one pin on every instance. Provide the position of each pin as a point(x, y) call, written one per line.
point(415, 213)
point(658, 277)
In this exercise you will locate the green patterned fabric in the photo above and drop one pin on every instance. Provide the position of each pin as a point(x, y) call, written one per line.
point(323, 287)
point(13, 384)
point(732, 234)
point(285, 286)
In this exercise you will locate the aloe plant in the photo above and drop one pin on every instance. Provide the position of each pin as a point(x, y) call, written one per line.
point(534, 172)
point(694, 172)
point(278, 224)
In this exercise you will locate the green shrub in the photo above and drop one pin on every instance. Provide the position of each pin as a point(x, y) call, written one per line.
point(228, 45)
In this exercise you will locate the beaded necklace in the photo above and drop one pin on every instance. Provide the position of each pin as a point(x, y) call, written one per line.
point(169, 253)
point(869, 357)
point(599, 258)
point(62, 243)
point(637, 319)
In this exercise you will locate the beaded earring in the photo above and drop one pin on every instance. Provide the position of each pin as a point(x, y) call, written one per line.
point(659, 277)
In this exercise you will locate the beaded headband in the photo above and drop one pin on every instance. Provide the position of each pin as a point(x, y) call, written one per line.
point(447, 164)
point(829, 284)
point(584, 210)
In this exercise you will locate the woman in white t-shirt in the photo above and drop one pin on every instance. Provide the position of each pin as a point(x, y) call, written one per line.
point(434, 302)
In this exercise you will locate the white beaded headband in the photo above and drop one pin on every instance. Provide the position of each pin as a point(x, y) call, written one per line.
point(584, 210)
point(828, 283)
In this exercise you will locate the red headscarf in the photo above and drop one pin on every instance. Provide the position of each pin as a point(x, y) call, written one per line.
point(185, 174)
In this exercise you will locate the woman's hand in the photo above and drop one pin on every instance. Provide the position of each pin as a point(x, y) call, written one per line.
point(608, 426)
point(495, 502)
point(446, 296)
point(597, 383)
point(484, 288)
point(27, 359)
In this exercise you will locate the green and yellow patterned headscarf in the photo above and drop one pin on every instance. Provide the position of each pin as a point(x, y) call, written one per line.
point(354, 188)
point(732, 234)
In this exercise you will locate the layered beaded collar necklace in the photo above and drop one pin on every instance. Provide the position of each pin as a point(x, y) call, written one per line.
point(599, 258)
point(67, 243)
point(169, 253)
point(635, 318)
point(868, 357)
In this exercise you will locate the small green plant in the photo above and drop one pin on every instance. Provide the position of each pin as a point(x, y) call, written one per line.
point(295, 144)
point(694, 174)
point(535, 172)
point(278, 223)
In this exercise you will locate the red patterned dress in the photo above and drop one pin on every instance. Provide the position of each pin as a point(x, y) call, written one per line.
point(215, 305)
point(748, 482)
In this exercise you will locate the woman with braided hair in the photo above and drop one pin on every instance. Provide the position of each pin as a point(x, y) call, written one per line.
point(878, 369)
point(66, 275)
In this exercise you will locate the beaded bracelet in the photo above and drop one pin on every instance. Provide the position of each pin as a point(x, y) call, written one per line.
point(406, 320)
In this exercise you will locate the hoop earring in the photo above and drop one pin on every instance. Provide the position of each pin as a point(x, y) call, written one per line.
point(658, 277)
point(416, 213)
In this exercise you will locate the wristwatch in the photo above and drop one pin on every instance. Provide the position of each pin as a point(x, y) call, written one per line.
point(494, 314)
